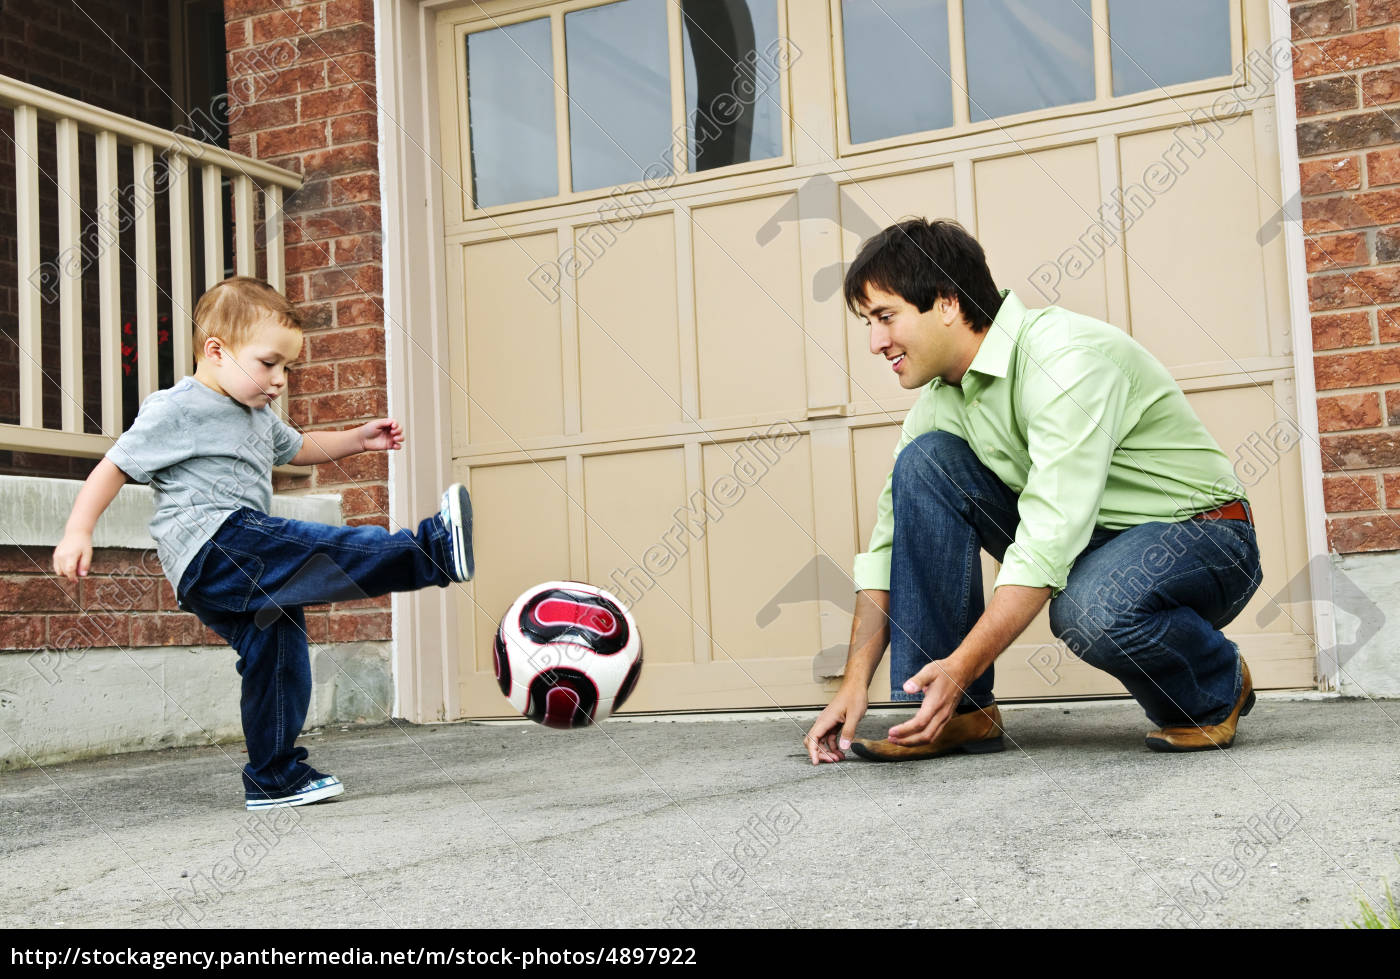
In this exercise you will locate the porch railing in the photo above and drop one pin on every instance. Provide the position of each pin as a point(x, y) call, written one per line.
point(194, 178)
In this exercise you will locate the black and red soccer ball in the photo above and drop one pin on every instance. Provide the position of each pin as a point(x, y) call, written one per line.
point(567, 654)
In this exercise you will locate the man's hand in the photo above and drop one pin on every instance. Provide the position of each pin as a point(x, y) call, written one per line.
point(73, 555)
point(382, 435)
point(942, 683)
point(844, 712)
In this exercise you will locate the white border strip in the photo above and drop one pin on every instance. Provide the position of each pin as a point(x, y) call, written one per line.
point(1310, 449)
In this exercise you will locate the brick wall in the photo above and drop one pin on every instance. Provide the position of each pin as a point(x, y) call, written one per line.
point(317, 117)
point(1347, 74)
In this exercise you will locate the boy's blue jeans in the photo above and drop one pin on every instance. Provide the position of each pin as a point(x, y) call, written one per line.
point(249, 584)
point(1145, 604)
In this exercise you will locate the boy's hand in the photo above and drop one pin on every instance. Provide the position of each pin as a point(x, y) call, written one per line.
point(73, 555)
point(383, 434)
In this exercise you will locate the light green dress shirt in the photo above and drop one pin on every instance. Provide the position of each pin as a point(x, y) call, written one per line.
point(1083, 423)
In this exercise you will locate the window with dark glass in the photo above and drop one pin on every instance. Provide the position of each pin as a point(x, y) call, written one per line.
point(510, 104)
point(619, 87)
point(1160, 44)
point(1024, 55)
point(897, 77)
point(733, 112)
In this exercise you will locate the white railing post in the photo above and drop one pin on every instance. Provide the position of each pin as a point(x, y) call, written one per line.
point(213, 225)
point(109, 284)
point(181, 287)
point(69, 269)
point(31, 408)
point(245, 246)
point(144, 204)
point(273, 237)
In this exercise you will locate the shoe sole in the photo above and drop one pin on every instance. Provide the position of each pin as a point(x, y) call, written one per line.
point(1166, 747)
point(987, 747)
point(460, 508)
point(306, 799)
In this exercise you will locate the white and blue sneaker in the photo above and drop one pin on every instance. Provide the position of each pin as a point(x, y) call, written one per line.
point(456, 515)
point(312, 790)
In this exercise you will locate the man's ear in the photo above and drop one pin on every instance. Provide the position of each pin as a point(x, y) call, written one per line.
point(949, 309)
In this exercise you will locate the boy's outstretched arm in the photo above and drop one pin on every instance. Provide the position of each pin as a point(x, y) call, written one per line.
point(383, 434)
point(73, 555)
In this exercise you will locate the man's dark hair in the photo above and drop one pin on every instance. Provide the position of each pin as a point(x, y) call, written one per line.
point(924, 261)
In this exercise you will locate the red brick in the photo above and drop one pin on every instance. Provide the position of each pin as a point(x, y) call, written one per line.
point(306, 256)
point(168, 601)
point(295, 289)
point(343, 281)
point(119, 593)
point(1392, 409)
point(1351, 535)
point(342, 159)
point(317, 627)
point(38, 593)
point(1336, 134)
point(1355, 211)
point(1370, 13)
point(242, 8)
point(1369, 450)
point(1326, 176)
point(344, 344)
point(1348, 492)
point(171, 630)
point(286, 23)
point(354, 129)
point(338, 101)
point(360, 500)
point(1382, 167)
point(350, 68)
point(1392, 490)
point(292, 139)
point(1380, 87)
point(1340, 251)
point(1368, 368)
point(348, 406)
point(1322, 95)
point(358, 311)
point(288, 80)
point(1331, 55)
point(341, 12)
point(263, 115)
point(354, 249)
point(1364, 287)
point(98, 630)
point(360, 468)
point(235, 34)
point(352, 374)
point(368, 521)
point(356, 188)
point(22, 631)
point(299, 412)
point(1349, 411)
point(360, 37)
point(378, 602)
point(360, 626)
point(1314, 20)
point(311, 379)
point(241, 143)
point(336, 222)
point(317, 316)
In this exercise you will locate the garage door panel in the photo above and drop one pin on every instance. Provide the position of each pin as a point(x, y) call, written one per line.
point(523, 540)
point(1196, 284)
point(634, 549)
point(1032, 211)
point(748, 309)
point(514, 342)
point(866, 208)
point(629, 335)
point(753, 552)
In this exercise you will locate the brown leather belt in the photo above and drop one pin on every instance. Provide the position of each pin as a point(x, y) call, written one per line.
point(1236, 510)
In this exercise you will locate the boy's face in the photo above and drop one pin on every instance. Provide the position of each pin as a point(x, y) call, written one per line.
point(256, 373)
point(919, 346)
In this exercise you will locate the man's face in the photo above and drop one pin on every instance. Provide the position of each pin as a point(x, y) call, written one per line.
point(919, 346)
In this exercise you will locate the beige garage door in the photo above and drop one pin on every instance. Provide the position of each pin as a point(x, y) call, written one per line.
point(666, 396)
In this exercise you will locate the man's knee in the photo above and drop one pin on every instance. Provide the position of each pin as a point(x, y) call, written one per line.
point(1091, 626)
point(930, 459)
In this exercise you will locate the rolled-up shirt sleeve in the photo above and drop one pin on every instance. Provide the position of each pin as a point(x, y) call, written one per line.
point(1074, 401)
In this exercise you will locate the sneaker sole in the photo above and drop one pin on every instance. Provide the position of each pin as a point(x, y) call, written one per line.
point(305, 799)
point(462, 562)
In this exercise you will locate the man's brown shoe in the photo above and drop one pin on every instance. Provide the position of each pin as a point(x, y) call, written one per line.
point(1193, 737)
point(976, 732)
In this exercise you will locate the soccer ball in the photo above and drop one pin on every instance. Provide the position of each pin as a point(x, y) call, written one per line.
point(567, 654)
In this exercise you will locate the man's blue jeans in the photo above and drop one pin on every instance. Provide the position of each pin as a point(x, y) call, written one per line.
point(249, 584)
point(1145, 604)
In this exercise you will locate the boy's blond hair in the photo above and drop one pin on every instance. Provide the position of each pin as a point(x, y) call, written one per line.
point(230, 308)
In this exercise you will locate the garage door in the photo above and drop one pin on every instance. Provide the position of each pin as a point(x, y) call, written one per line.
point(664, 393)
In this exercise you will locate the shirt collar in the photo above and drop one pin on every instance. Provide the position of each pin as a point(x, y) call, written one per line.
point(994, 356)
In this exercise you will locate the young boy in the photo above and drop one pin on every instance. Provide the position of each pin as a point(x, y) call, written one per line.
point(208, 446)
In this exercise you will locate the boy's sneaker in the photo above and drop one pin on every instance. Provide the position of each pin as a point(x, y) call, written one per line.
point(312, 790)
point(456, 515)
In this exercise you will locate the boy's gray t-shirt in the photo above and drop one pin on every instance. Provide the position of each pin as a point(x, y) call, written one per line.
point(205, 455)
